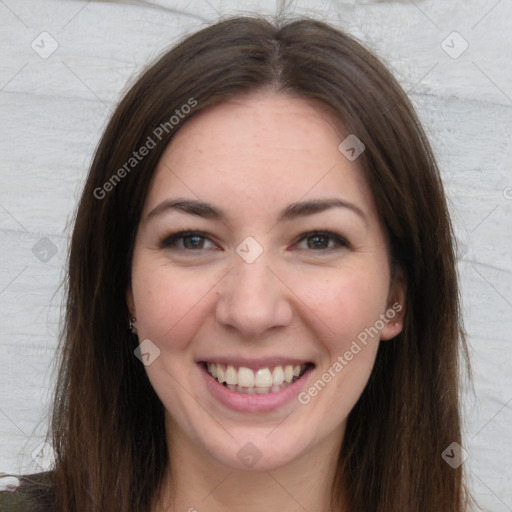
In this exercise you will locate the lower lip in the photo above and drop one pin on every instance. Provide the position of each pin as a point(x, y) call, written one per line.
point(243, 402)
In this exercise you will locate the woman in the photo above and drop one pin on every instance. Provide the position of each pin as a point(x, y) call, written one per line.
point(262, 302)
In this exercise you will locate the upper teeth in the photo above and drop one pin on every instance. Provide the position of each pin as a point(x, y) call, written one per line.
point(260, 378)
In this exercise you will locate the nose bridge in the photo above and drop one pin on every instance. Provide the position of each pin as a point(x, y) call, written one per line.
point(252, 299)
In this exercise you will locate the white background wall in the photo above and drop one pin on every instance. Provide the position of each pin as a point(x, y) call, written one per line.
point(53, 108)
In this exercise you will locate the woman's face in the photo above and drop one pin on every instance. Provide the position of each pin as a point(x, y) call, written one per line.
point(255, 296)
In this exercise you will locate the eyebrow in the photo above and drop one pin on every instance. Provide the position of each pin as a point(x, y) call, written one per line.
point(291, 212)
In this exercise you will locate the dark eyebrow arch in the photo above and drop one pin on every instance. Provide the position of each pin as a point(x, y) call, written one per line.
point(191, 206)
point(313, 206)
point(291, 212)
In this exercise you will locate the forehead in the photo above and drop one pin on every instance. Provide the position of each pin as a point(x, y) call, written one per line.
point(259, 150)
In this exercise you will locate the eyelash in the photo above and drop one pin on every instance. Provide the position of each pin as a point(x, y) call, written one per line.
point(169, 240)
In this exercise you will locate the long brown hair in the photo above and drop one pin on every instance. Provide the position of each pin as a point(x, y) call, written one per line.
point(107, 424)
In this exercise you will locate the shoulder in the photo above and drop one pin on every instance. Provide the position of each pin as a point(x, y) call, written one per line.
point(26, 493)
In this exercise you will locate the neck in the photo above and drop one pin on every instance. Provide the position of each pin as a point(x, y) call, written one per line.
point(196, 482)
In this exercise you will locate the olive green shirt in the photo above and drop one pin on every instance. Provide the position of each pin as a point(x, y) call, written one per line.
point(26, 493)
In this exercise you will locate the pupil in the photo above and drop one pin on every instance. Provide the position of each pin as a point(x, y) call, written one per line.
point(193, 244)
point(316, 238)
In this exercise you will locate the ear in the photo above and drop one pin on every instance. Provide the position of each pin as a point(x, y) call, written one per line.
point(395, 310)
point(130, 302)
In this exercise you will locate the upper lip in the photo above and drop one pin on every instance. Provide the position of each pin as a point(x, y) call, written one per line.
point(254, 363)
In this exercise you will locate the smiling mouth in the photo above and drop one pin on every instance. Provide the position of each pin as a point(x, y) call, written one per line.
point(258, 381)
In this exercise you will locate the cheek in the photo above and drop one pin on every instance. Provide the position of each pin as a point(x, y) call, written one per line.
point(348, 302)
point(347, 308)
point(169, 304)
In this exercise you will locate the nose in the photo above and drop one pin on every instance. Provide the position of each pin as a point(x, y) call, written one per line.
point(253, 299)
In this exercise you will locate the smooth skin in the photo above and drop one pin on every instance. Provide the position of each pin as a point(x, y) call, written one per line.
point(304, 297)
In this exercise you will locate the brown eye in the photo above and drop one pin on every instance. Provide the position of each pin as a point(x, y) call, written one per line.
point(323, 240)
point(185, 240)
